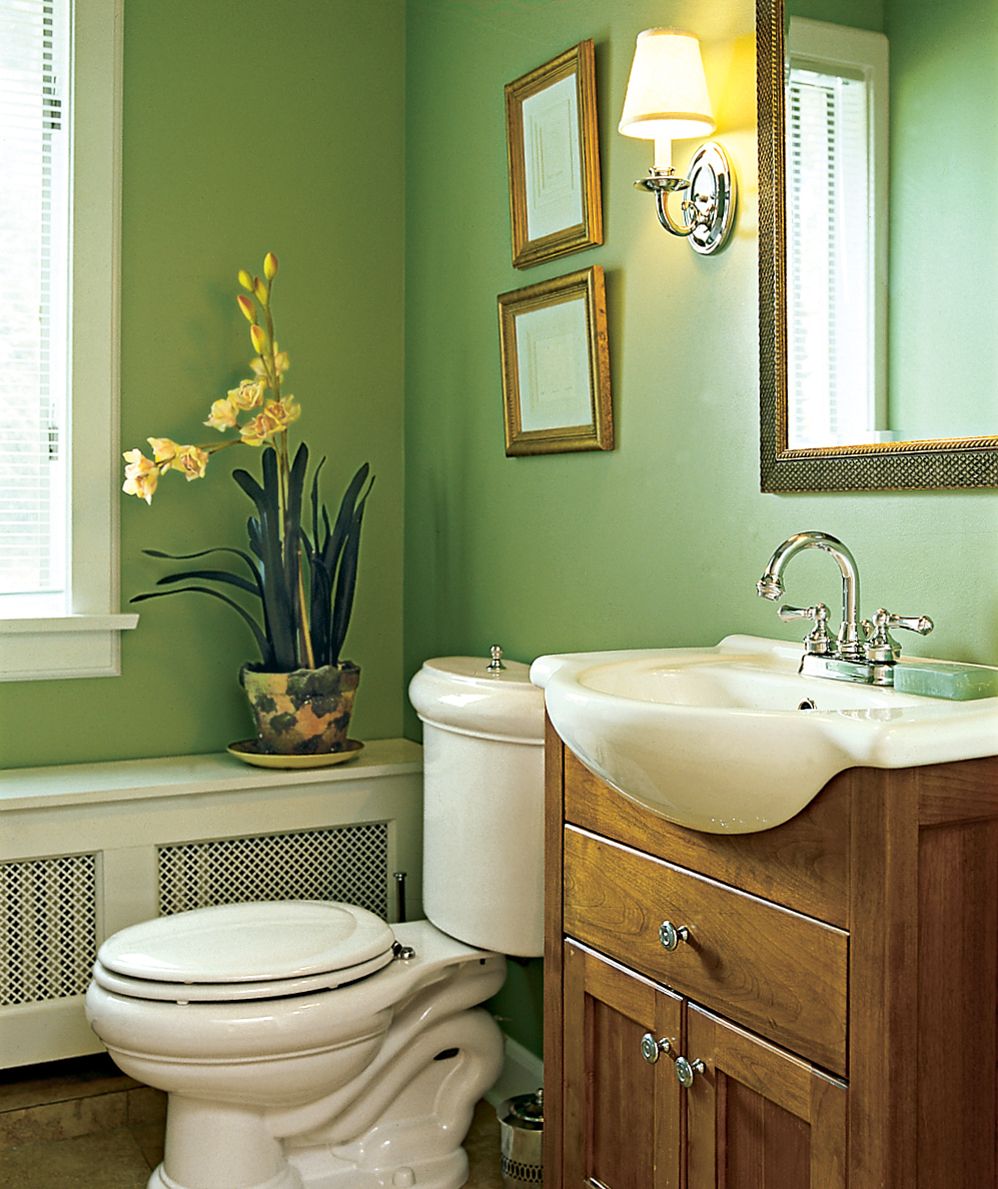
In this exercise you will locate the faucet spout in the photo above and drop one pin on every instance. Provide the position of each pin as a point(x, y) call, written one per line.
point(770, 586)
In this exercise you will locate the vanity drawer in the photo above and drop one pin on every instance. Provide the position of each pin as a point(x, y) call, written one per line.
point(779, 973)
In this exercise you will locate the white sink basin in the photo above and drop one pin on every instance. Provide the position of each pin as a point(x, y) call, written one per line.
point(712, 738)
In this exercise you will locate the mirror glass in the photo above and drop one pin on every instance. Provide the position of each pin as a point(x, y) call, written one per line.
point(885, 243)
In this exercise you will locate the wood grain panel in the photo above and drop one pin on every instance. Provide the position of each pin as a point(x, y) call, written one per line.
point(802, 864)
point(758, 1117)
point(621, 1114)
point(883, 977)
point(957, 1004)
point(775, 971)
point(967, 791)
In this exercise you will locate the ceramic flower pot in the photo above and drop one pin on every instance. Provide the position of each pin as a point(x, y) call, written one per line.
point(306, 712)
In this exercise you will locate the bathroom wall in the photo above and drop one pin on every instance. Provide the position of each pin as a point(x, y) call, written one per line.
point(248, 126)
point(659, 542)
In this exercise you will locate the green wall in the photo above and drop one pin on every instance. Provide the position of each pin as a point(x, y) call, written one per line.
point(247, 127)
point(661, 541)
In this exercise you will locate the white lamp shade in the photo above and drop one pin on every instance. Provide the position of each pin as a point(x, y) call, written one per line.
point(667, 90)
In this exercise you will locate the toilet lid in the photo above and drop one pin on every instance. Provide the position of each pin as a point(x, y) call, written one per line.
point(250, 944)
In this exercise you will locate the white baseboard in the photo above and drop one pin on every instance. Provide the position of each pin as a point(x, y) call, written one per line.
point(522, 1073)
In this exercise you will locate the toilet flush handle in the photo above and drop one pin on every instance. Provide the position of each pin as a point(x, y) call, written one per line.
point(495, 665)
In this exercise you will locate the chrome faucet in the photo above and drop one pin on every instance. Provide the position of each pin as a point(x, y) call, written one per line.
point(861, 651)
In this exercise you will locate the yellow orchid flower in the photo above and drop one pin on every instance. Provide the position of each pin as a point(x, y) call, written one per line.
point(259, 429)
point(191, 462)
point(163, 450)
point(277, 415)
point(270, 266)
point(222, 415)
point(260, 291)
point(141, 475)
point(244, 303)
point(258, 337)
point(249, 394)
point(283, 411)
point(245, 280)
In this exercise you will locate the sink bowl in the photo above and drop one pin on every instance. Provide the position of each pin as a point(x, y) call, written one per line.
point(714, 739)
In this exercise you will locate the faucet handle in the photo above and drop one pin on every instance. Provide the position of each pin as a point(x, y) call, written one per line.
point(881, 646)
point(817, 642)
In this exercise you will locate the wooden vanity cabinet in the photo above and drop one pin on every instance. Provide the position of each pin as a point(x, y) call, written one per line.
point(836, 994)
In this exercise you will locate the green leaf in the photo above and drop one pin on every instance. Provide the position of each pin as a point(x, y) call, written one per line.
point(346, 581)
point(266, 539)
point(213, 576)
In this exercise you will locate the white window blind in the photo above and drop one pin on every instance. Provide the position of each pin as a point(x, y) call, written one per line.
point(35, 124)
point(829, 343)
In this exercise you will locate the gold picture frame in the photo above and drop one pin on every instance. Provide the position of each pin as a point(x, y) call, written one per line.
point(556, 365)
point(552, 148)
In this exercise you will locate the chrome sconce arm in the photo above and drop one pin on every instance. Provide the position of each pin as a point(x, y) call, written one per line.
point(709, 211)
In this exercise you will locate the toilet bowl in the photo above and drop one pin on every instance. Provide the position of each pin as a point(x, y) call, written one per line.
point(310, 1043)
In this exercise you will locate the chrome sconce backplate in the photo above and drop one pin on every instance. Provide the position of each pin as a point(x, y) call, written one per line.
point(708, 212)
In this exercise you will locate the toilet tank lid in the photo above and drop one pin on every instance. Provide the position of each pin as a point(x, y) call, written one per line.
point(245, 943)
point(461, 693)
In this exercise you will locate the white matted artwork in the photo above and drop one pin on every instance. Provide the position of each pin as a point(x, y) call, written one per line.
point(553, 155)
point(556, 366)
point(552, 160)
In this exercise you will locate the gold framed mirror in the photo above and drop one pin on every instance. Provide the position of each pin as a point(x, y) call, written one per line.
point(832, 376)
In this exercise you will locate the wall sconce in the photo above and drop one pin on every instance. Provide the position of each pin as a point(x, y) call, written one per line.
point(667, 100)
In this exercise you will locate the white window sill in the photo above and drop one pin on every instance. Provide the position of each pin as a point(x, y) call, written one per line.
point(57, 647)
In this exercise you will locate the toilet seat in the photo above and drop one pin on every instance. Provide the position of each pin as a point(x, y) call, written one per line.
point(232, 952)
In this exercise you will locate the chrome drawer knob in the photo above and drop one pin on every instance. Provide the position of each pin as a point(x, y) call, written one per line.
point(686, 1071)
point(652, 1049)
point(671, 935)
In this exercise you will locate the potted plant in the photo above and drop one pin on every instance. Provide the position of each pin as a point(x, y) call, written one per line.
point(300, 581)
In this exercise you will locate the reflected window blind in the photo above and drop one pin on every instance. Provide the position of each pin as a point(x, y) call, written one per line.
point(34, 248)
point(830, 339)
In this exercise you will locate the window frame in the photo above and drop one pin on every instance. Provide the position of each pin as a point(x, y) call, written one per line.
point(83, 640)
point(827, 47)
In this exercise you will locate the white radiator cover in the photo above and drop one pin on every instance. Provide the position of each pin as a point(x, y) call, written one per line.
point(87, 849)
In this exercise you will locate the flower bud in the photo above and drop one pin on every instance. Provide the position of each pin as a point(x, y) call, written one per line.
point(244, 303)
point(270, 266)
point(260, 291)
point(258, 337)
point(245, 280)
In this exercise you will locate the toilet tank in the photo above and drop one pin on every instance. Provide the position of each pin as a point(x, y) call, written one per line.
point(483, 802)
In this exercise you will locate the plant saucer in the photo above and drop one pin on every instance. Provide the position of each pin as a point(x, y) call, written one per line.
point(248, 750)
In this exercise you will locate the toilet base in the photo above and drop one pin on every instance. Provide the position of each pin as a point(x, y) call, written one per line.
point(421, 1116)
point(445, 1172)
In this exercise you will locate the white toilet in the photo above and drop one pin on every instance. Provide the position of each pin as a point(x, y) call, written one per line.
point(309, 1043)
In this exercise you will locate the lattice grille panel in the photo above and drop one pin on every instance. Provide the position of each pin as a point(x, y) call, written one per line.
point(48, 929)
point(338, 863)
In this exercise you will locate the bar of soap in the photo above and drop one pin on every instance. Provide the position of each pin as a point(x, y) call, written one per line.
point(946, 679)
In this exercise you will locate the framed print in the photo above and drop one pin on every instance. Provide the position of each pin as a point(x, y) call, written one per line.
point(556, 365)
point(553, 151)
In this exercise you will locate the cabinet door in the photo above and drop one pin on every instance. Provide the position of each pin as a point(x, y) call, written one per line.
point(621, 1111)
point(758, 1117)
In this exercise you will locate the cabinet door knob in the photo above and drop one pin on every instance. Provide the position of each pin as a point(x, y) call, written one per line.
point(671, 935)
point(652, 1049)
point(686, 1071)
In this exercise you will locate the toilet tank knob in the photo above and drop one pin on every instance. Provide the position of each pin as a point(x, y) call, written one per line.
point(495, 665)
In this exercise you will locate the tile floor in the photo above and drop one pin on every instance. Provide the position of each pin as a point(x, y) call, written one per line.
point(81, 1124)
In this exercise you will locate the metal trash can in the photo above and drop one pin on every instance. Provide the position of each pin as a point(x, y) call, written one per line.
point(521, 1126)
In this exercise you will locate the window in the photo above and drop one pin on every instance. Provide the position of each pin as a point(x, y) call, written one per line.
point(60, 74)
point(836, 248)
